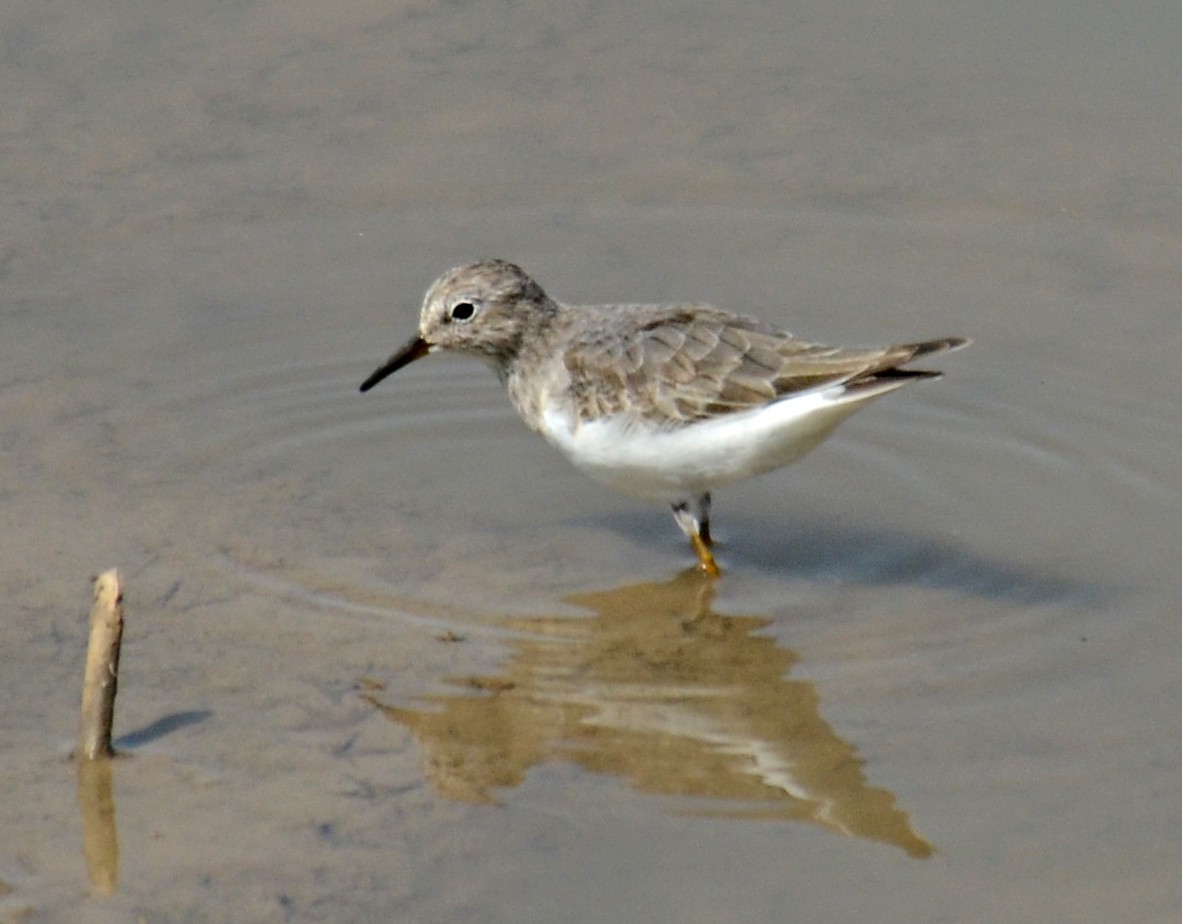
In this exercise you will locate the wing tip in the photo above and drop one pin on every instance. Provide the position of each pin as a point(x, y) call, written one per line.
point(941, 345)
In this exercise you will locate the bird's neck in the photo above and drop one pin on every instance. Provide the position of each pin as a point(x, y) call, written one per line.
point(532, 349)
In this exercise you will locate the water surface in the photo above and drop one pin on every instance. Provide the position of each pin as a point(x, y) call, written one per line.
point(389, 657)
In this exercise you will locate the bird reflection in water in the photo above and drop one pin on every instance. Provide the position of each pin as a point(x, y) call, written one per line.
point(659, 689)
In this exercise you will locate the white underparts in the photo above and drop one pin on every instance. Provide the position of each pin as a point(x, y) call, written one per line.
point(668, 464)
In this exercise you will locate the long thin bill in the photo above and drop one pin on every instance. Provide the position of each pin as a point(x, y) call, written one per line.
point(414, 349)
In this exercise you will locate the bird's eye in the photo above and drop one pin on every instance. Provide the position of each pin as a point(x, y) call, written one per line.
point(463, 311)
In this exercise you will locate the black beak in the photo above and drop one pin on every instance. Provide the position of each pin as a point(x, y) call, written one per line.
point(414, 349)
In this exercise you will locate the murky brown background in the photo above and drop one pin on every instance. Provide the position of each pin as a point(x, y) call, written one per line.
point(388, 658)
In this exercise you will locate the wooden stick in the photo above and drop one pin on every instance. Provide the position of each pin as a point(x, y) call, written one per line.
point(102, 668)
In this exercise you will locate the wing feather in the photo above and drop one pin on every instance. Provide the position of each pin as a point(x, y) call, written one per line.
point(686, 363)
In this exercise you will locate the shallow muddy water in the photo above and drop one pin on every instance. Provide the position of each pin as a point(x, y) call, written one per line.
point(388, 657)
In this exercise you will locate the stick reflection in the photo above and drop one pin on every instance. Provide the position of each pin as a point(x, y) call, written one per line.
point(100, 842)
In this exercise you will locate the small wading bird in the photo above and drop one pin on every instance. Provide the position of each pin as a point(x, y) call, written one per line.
point(666, 402)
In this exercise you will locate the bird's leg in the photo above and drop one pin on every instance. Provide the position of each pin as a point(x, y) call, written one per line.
point(704, 519)
point(693, 517)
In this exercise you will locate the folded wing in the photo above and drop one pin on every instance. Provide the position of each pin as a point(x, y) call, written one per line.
point(694, 362)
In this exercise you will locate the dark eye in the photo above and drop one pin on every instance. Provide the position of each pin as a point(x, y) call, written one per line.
point(463, 311)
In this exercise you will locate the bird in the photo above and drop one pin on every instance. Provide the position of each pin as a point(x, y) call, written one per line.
point(665, 402)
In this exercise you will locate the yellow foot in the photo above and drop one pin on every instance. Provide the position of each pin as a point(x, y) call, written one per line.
point(706, 560)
